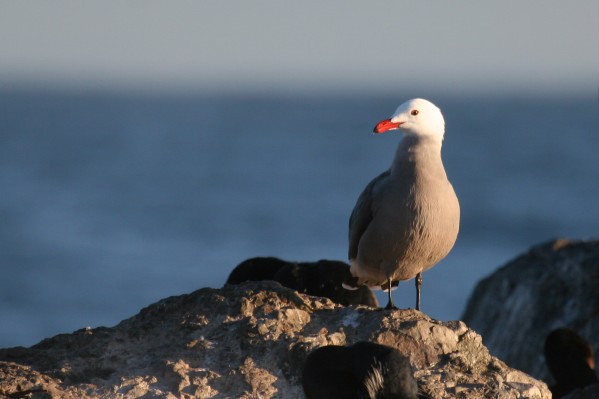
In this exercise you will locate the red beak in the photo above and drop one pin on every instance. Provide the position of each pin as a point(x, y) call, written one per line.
point(385, 125)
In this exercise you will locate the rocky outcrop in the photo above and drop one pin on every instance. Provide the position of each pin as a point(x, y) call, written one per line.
point(249, 341)
point(553, 285)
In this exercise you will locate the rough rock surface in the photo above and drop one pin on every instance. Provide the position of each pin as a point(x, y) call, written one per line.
point(249, 341)
point(555, 284)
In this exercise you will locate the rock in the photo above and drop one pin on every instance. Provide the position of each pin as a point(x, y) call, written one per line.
point(553, 285)
point(590, 392)
point(358, 371)
point(322, 278)
point(570, 360)
point(249, 341)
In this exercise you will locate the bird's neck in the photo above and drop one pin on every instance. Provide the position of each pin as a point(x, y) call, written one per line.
point(418, 150)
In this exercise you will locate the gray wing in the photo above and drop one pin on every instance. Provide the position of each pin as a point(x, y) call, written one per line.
point(362, 214)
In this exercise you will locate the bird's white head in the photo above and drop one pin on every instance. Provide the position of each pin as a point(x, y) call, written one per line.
point(417, 117)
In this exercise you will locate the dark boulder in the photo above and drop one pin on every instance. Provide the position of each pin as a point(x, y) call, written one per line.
point(553, 285)
point(323, 278)
point(361, 370)
point(570, 360)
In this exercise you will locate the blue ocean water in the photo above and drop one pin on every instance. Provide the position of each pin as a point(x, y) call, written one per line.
point(110, 202)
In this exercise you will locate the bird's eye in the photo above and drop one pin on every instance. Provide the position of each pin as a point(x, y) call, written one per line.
point(414, 112)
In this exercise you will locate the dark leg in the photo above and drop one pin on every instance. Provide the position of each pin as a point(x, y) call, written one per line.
point(418, 285)
point(390, 305)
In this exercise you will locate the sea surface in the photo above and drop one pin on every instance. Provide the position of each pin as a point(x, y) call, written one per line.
point(112, 201)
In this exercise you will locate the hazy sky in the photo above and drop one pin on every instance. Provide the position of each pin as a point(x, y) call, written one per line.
point(350, 43)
